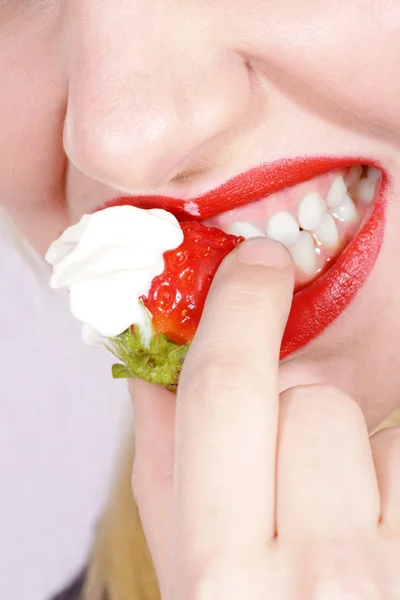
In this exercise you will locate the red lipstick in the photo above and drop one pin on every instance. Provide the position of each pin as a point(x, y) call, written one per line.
point(242, 189)
point(317, 306)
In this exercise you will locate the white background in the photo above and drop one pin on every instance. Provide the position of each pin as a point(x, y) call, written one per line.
point(61, 422)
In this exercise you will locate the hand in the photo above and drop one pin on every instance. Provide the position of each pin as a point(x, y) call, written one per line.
point(239, 502)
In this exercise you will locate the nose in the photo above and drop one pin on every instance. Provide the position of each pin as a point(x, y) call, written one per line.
point(151, 94)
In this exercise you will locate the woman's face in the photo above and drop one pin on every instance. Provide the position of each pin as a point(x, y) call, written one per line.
point(174, 98)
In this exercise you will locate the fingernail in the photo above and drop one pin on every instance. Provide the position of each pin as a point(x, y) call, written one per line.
point(264, 252)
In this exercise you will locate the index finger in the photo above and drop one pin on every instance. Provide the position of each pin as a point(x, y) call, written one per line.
point(227, 407)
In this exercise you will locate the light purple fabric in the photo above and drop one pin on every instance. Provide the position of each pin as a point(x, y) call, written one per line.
point(61, 421)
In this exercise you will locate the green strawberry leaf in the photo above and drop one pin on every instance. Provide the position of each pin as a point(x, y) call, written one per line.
point(154, 357)
point(121, 372)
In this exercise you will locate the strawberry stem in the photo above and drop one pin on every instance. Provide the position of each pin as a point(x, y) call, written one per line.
point(158, 361)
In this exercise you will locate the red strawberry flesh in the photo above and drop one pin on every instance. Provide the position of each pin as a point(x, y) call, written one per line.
point(176, 298)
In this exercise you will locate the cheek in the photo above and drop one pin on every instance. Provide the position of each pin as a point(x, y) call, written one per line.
point(340, 57)
point(32, 100)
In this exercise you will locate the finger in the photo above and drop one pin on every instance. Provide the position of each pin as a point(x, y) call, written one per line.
point(326, 478)
point(386, 452)
point(152, 478)
point(227, 407)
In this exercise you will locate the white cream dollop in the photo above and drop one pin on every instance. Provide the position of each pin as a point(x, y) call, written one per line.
point(108, 260)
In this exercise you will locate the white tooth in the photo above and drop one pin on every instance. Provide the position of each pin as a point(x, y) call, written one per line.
point(354, 175)
point(247, 230)
point(346, 211)
point(337, 192)
point(327, 233)
point(365, 190)
point(284, 228)
point(303, 253)
point(373, 174)
point(311, 211)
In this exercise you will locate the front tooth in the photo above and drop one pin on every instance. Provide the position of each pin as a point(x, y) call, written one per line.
point(354, 175)
point(311, 211)
point(247, 230)
point(303, 253)
point(346, 211)
point(327, 233)
point(284, 228)
point(337, 192)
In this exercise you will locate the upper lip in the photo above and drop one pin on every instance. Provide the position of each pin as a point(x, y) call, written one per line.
point(250, 186)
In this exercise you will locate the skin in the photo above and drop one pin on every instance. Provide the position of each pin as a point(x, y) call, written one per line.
point(99, 98)
point(243, 494)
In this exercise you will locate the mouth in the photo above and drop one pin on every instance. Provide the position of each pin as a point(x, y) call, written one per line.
point(329, 213)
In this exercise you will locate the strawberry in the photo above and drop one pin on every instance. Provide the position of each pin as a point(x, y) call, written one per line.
point(177, 296)
point(175, 301)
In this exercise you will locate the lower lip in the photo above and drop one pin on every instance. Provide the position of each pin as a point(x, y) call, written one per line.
point(316, 307)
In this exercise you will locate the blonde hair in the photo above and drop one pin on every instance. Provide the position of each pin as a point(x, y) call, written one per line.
point(121, 566)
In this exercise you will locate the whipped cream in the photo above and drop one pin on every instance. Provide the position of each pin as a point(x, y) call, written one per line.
point(108, 261)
